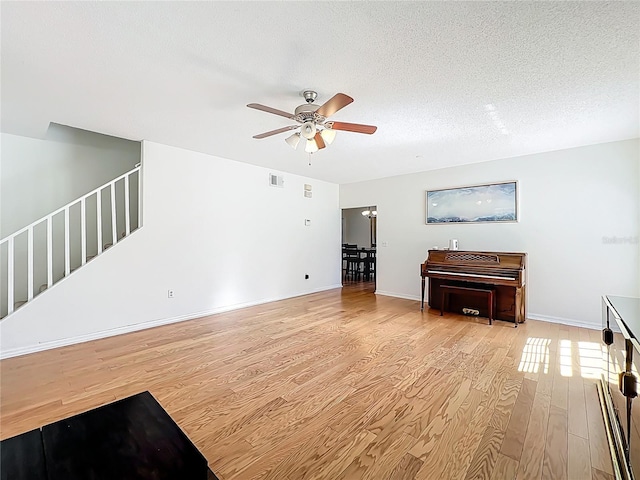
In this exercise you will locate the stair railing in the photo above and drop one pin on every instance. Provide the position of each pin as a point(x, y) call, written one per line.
point(10, 240)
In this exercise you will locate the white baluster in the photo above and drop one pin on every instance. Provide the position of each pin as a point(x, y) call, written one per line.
point(49, 252)
point(114, 227)
point(67, 260)
point(30, 229)
point(10, 278)
point(127, 215)
point(139, 197)
point(99, 217)
point(83, 231)
point(30, 264)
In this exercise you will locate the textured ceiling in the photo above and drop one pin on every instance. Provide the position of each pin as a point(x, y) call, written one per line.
point(446, 83)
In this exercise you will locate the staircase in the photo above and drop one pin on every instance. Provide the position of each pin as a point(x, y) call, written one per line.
point(45, 252)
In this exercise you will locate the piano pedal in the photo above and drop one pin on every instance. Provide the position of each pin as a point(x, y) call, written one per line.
point(471, 311)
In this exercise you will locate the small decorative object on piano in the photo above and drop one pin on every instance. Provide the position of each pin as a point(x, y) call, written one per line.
point(453, 244)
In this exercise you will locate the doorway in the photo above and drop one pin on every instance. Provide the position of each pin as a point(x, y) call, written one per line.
point(359, 247)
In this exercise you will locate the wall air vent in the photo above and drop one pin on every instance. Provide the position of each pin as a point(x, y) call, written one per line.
point(276, 180)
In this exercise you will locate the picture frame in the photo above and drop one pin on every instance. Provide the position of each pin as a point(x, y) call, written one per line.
point(485, 203)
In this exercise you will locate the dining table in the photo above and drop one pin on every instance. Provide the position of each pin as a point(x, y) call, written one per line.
point(359, 262)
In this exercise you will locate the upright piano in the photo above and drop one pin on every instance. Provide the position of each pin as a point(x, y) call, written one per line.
point(502, 273)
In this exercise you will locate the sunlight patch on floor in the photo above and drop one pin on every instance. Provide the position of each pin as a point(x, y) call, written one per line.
point(588, 355)
point(535, 355)
point(590, 359)
point(566, 369)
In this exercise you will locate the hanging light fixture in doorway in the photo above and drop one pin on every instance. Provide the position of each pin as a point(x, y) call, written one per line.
point(370, 212)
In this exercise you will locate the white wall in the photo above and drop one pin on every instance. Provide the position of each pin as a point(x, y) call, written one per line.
point(357, 229)
point(213, 231)
point(579, 224)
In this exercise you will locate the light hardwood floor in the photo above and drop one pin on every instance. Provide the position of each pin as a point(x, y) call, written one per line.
point(342, 384)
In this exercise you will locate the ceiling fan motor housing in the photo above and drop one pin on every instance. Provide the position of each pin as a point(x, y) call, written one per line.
point(307, 112)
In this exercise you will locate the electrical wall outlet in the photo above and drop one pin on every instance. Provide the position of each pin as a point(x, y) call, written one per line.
point(170, 293)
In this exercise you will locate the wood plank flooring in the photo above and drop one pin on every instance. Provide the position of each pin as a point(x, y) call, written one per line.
point(342, 384)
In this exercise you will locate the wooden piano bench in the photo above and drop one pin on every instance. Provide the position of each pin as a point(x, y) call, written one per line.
point(488, 293)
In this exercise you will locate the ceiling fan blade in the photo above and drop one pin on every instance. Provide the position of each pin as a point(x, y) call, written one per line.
point(335, 103)
point(275, 132)
point(352, 127)
point(319, 141)
point(275, 111)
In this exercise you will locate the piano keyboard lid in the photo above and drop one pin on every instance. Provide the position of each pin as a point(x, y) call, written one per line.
point(496, 275)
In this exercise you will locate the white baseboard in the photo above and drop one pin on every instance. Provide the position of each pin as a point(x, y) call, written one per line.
point(14, 352)
point(532, 316)
point(564, 321)
point(398, 295)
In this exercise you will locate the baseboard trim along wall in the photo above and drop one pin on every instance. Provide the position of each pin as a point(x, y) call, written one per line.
point(398, 295)
point(564, 321)
point(14, 352)
point(531, 316)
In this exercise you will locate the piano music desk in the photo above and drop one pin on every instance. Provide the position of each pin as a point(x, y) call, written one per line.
point(488, 293)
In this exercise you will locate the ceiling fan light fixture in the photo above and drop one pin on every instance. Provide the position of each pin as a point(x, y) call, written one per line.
point(328, 135)
point(293, 140)
point(308, 130)
point(311, 146)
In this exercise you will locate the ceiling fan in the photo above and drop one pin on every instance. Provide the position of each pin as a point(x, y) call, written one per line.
point(313, 123)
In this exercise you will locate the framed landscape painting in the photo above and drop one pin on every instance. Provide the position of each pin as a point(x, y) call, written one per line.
point(494, 202)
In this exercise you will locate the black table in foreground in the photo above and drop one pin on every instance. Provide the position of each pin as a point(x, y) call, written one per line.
point(133, 438)
point(23, 457)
